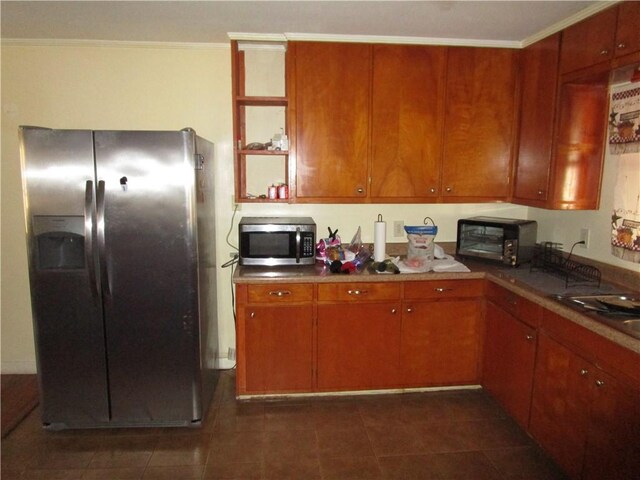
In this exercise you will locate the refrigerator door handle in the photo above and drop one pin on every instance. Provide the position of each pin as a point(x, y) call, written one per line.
point(104, 275)
point(89, 221)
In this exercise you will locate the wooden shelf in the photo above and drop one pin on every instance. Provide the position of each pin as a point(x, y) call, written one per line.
point(264, 152)
point(262, 101)
point(262, 200)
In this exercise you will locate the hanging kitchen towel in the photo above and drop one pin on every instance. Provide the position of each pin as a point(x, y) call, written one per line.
point(624, 119)
point(625, 220)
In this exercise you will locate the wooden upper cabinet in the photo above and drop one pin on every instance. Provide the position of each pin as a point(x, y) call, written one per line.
point(589, 42)
point(479, 123)
point(580, 143)
point(407, 112)
point(628, 31)
point(331, 109)
point(537, 113)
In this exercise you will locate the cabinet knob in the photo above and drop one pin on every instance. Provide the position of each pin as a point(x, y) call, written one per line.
point(442, 290)
point(622, 45)
point(360, 190)
point(540, 192)
point(279, 293)
point(599, 383)
point(449, 189)
point(530, 337)
point(409, 310)
point(393, 311)
point(357, 292)
point(432, 190)
point(584, 372)
point(252, 314)
point(604, 52)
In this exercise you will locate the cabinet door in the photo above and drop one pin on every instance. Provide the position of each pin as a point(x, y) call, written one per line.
point(407, 110)
point(613, 443)
point(479, 122)
point(441, 342)
point(509, 357)
point(537, 112)
point(358, 345)
point(560, 404)
point(628, 31)
point(332, 91)
point(279, 348)
point(589, 42)
point(579, 154)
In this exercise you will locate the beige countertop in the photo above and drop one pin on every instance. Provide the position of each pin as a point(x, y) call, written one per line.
point(539, 288)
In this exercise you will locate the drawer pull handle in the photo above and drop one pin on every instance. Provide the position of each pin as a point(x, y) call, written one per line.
point(622, 45)
point(442, 290)
point(584, 372)
point(604, 51)
point(279, 293)
point(599, 383)
point(357, 292)
point(530, 337)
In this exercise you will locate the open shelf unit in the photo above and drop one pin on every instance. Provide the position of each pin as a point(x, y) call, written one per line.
point(253, 115)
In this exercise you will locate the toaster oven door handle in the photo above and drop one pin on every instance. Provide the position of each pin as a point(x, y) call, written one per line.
point(298, 245)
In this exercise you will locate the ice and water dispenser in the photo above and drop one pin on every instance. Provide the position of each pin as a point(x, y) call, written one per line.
point(59, 242)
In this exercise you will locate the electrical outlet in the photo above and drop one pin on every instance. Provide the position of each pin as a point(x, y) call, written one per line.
point(585, 233)
point(398, 228)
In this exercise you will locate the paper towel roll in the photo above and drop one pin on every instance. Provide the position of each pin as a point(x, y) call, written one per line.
point(379, 241)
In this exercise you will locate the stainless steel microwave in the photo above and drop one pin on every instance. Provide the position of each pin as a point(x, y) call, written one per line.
point(506, 240)
point(276, 241)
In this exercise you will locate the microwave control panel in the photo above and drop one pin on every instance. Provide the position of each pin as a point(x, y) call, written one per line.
point(308, 247)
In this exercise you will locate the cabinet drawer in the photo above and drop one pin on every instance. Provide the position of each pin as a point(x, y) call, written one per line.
point(443, 289)
point(523, 309)
point(280, 293)
point(358, 292)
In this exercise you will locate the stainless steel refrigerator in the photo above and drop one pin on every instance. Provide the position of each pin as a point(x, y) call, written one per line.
point(121, 242)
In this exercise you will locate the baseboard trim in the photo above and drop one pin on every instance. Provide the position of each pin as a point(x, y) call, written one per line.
point(8, 368)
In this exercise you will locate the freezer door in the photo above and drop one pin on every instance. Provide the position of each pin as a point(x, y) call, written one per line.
point(59, 189)
point(148, 257)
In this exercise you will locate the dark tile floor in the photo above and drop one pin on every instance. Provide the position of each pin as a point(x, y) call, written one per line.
point(436, 435)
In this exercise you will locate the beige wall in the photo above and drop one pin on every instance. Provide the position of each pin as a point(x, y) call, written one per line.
point(142, 87)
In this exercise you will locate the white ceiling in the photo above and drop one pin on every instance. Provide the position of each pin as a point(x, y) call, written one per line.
point(507, 23)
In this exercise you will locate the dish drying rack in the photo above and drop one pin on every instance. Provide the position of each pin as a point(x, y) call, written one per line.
point(548, 257)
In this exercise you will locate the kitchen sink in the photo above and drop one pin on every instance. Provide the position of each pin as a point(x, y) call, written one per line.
point(620, 310)
point(632, 324)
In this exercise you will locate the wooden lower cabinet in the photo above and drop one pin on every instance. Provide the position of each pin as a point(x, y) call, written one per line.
point(509, 360)
point(358, 345)
point(274, 338)
point(613, 435)
point(587, 420)
point(279, 349)
point(441, 342)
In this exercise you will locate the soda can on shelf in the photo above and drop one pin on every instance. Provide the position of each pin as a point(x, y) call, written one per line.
point(272, 192)
point(283, 191)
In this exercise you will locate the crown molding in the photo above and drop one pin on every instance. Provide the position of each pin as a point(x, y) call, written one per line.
point(459, 42)
point(321, 37)
point(257, 37)
point(567, 22)
point(54, 42)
